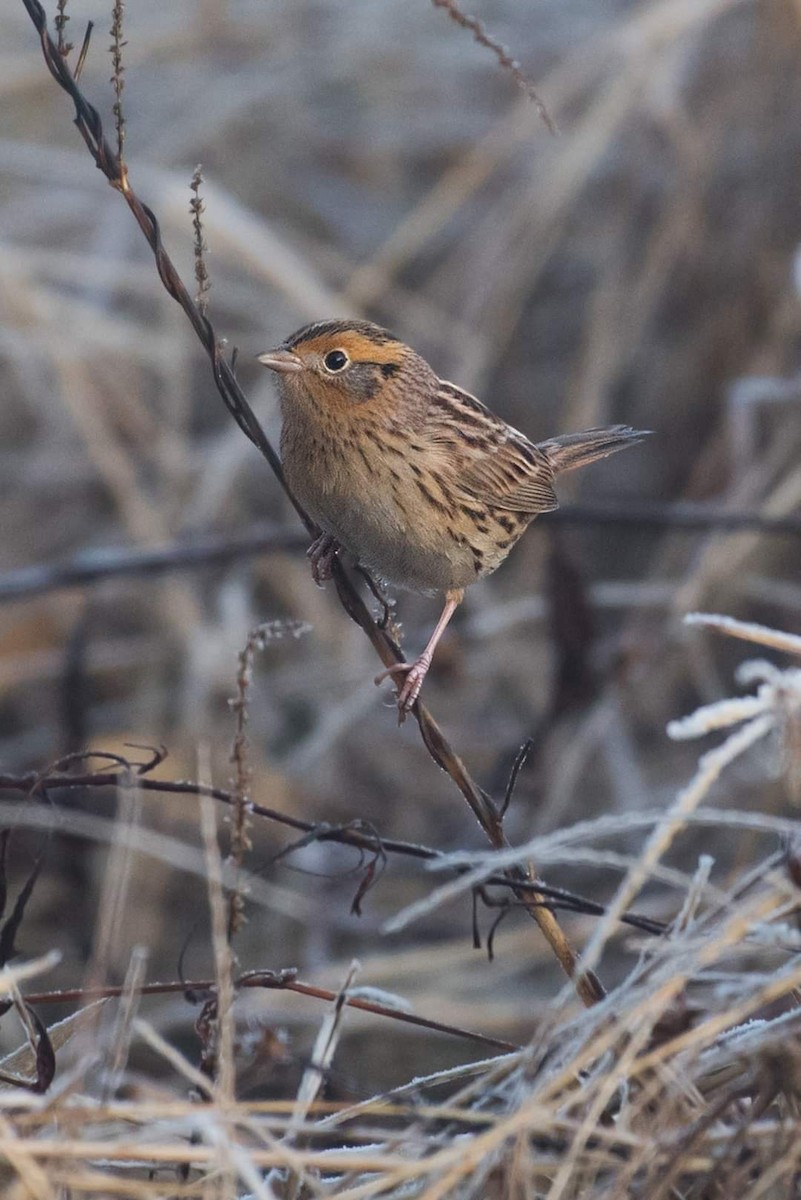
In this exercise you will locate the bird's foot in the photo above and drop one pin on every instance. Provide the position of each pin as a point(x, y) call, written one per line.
point(321, 554)
point(409, 689)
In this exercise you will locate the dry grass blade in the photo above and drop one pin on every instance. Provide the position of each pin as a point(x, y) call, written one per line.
point(709, 769)
point(747, 631)
point(120, 1041)
point(13, 976)
point(183, 1067)
point(22, 1061)
point(324, 1048)
point(222, 1050)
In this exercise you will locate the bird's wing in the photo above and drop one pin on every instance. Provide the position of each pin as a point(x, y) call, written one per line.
point(491, 462)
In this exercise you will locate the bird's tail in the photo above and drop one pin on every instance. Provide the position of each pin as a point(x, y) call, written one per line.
point(573, 450)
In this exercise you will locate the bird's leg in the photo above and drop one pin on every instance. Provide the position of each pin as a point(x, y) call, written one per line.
point(416, 671)
point(321, 554)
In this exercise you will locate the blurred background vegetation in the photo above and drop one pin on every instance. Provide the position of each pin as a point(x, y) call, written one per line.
point(370, 158)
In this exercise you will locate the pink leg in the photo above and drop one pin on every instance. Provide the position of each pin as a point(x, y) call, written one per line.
point(321, 554)
point(416, 672)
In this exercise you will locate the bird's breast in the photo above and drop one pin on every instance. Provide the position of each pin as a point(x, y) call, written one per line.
point(386, 499)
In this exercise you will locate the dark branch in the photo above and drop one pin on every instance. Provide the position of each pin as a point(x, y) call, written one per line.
point(683, 516)
point(356, 834)
point(283, 981)
point(91, 566)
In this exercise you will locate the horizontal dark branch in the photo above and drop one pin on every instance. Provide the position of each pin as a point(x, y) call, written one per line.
point(94, 566)
point(283, 981)
point(680, 516)
point(357, 834)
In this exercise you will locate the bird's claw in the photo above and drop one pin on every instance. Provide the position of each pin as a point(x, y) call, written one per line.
point(321, 554)
point(409, 689)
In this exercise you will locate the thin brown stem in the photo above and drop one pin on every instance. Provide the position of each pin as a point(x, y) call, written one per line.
point(505, 60)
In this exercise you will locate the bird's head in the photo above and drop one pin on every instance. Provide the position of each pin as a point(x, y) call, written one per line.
point(344, 365)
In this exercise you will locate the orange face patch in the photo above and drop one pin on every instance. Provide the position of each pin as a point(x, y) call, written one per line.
point(358, 347)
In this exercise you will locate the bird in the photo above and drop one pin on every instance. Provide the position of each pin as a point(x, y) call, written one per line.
point(415, 478)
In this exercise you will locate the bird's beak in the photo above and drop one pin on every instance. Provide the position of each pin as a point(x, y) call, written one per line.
point(283, 361)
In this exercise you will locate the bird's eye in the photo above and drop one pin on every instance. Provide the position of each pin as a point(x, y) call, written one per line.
point(336, 360)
